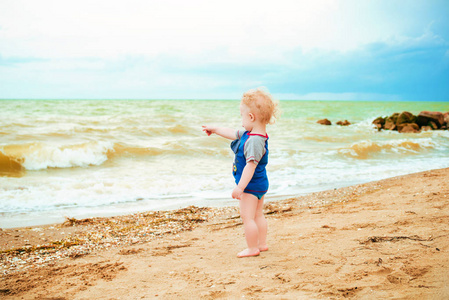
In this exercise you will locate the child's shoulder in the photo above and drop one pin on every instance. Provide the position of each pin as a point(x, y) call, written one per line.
point(256, 140)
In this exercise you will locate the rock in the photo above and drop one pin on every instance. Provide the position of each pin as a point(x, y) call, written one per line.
point(433, 125)
point(389, 124)
point(426, 120)
point(324, 122)
point(380, 121)
point(343, 123)
point(394, 117)
point(405, 117)
point(408, 127)
point(425, 117)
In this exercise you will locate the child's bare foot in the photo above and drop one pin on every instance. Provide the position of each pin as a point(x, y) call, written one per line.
point(263, 248)
point(249, 252)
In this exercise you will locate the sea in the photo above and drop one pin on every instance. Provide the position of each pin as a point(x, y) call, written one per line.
point(88, 158)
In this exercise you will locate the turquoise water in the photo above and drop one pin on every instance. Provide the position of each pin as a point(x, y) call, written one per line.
point(83, 158)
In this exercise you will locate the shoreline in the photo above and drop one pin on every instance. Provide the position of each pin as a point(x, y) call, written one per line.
point(384, 239)
point(36, 219)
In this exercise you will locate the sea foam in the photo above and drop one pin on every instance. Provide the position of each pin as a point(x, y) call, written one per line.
point(40, 156)
point(369, 148)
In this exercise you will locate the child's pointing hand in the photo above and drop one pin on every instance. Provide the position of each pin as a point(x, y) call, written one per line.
point(207, 130)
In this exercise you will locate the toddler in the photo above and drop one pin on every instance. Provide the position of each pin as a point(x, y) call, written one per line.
point(257, 109)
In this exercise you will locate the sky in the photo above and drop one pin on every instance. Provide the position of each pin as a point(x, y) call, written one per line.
point(178, 49)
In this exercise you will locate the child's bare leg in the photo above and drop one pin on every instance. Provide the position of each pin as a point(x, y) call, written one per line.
point(261, 223)
point(248, 206)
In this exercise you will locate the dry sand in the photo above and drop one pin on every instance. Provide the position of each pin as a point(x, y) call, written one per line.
point(382, 240)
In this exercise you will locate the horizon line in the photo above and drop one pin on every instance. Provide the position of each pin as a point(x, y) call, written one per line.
point(205, 99)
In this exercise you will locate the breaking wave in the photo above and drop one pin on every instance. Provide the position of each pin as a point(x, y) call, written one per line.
point(16, 158)
point(40, 156)
point(367, 149)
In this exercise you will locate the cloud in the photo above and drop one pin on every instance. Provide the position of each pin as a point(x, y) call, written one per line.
point(113, 28)
point(207, 49)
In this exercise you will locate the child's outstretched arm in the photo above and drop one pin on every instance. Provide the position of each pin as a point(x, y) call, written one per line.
point(228, 133)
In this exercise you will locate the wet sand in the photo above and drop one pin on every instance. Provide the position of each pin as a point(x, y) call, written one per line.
point(381, 240)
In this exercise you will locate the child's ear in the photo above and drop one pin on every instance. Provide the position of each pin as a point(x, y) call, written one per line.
point(252, 117)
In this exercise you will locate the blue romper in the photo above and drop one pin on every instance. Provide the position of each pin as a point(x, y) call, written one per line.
point(258, 185)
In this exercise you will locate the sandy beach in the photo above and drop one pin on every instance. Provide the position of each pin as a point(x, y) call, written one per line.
point(381, 240)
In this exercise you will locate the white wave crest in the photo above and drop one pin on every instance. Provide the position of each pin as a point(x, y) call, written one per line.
point(366, 148)
point(40, 156)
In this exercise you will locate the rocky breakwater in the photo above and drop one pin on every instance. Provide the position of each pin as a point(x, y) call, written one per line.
point(407, 122)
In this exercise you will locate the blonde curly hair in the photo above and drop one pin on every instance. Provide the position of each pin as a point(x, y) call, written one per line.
point(262, 104)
